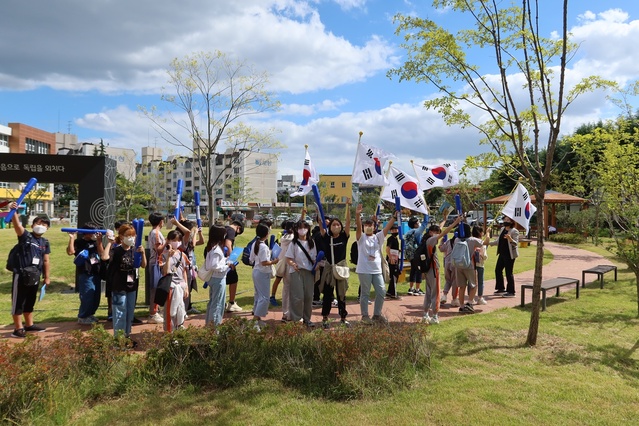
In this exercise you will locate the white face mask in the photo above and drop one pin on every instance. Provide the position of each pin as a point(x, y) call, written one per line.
point(39, 229)
point(129, 241)
point(94, 237)
point(368, 230)
point(302, 232)
point(175, 244)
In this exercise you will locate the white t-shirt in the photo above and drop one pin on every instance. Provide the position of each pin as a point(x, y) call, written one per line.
point(295, 252)
point(263, 255)
point(216, 262)
point(369, 260)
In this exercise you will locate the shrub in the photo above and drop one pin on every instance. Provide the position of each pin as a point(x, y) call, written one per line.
point(568, 238)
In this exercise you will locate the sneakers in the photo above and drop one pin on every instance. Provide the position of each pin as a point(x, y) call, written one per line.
point(418, 292)
point(345, 323)
point(259, 325)
point(390, 296)
point(34, 329)
point(193, 311)
point(455, 302)
point(85, 321)
point(381, 319)
point(334, 303)
point(367, 320)
point(233, 307)
point(443, 299)
point(326, 324)
point(317, 303)
point(156, 319)
point(19, 333)
point(411, 292)
point(499, 291)
point(508, 295)
point(273, 301)
point(310, 324)
point(467, 309)
point(94, 319)
point(284, 320)
point(481, 301)
point(426, 318)
point(434, 319)
point(370, 302)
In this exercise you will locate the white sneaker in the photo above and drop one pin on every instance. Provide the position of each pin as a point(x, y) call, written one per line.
point(443, 299)
point(234, 307)
point(455, 302)
point(482, 301)
point(426, 318)
point(155, 319)
point(434, 319)
point(85, 321)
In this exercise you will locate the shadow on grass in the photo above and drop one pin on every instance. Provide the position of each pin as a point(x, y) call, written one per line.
point(473, 341)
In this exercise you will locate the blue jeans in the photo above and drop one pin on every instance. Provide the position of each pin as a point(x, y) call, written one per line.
point(90, 287)
point(480, 281)
point(217, 299)
point(365, 281)
point(123, 306)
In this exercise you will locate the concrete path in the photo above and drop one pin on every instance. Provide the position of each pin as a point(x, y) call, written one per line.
point(568, 262)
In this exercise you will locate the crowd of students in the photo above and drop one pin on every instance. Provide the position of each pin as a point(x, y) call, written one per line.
point(311, 263)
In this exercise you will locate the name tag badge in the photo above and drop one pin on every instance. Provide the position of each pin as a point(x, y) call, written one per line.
point(129, 278)
point(93, 260)
point(35, 261)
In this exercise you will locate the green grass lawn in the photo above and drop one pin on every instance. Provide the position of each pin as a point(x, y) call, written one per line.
point(61, 302)
point(584, 370)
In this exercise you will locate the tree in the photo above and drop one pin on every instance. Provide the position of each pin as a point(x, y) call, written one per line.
point(522, 127)
point(239, 191)
point(132, 193)
point(610, 154)
point(212, 97)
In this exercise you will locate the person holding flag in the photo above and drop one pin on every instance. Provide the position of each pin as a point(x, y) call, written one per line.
point(309, 177)
point(369, 163)
point(518, 209)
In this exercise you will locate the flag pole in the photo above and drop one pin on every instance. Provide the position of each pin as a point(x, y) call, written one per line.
point(501, 209)
point(359, 142)
point(305, 153)
point(379, 200)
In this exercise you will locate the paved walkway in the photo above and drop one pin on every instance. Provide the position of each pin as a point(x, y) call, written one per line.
point(568, 262)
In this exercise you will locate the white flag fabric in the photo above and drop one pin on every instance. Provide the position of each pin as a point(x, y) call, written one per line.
point(407, 189)
point(440, 175)
point(369, 165)
point(519, 207)
point(309, 177)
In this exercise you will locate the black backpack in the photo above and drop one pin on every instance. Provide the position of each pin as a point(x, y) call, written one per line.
point(13, 261)
point(354, 253)
point(425, 259)
point(246, 253)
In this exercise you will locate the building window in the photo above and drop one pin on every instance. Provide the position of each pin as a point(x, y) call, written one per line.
point(4, 185)
point(188, 174)
point(332, 184)
point(188, 183)
point(343, 184)
point(33, 146)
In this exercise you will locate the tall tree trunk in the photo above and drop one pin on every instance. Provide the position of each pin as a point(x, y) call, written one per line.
point(533, 327)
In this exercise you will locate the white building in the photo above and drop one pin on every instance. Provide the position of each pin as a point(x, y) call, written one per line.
point(67, 144)
point(252, 174)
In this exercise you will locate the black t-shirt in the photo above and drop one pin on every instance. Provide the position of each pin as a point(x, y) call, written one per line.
point(502, 245)
point(339, 247)
point(121, 273)
point(93, 266)
point(230, 235)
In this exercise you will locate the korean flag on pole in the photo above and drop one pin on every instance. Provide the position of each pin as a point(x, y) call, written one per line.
point(309, 177)
point(407, 189)
point(519, 207)
point(440, 175)
point(369, 163)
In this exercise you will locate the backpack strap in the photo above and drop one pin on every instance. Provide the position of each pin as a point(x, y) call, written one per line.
point(308, 256)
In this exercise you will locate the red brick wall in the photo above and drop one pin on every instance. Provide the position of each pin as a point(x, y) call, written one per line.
point(19, 134)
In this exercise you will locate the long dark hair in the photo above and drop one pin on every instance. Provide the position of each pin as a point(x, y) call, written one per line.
point(303, 224)
point(261, 231)
point(217, 235)
point(331, 224)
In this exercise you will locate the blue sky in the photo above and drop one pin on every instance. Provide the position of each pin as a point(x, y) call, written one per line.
point(88, 65)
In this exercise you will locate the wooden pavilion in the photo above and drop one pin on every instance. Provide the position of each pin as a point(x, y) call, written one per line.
point(551, 199)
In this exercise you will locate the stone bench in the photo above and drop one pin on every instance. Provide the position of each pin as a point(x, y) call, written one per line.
point(599, 270)
point(553, 283)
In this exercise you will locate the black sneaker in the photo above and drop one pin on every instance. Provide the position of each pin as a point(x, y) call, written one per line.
point(19, 333)
point(34, 329)
point(467, 309)
point(499, 291)
point(508, 295)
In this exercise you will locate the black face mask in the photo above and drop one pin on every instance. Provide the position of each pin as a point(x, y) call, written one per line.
point(508, 224)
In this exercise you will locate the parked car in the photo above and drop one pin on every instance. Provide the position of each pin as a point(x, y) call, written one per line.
point(256, 219)
point(280, 219)
point(192, 217)
point(450, 219)
point(476, 218)
point(239, 217)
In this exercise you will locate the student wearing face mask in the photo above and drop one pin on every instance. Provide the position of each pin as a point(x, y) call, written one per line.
point(33, 255)
point(176, 263)
point(88, 251)
point(507, 251)
point(369, 265)
point(335, 242)
point(124, 279)
point(300, 256)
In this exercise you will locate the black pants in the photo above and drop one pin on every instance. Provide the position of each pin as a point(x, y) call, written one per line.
point(393, 271)
point(504, 262)
point(316, 289)
point(327, 302)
